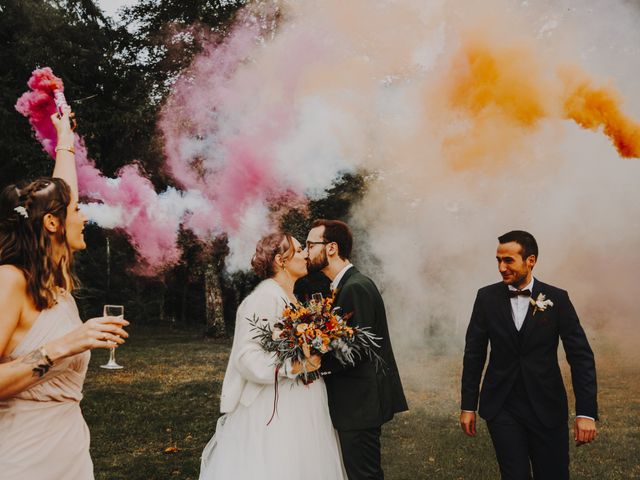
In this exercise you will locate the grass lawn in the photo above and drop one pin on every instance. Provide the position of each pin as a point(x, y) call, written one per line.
point(167, 396)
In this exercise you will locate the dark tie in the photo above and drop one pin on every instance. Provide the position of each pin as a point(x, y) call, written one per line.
point(515, 293)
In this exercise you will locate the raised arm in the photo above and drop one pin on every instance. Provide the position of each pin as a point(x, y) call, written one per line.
point(65, 167)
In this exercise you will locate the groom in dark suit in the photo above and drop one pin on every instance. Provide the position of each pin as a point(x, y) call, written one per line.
point(523, 398)
point(363, 397)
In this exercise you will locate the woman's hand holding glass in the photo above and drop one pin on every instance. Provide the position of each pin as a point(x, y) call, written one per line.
point(99, 332)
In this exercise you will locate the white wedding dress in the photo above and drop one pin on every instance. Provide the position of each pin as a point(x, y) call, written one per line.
point(300, 442)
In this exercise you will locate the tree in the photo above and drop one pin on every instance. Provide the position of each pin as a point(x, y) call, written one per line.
point(70, 38)
point(78, 42)
point(167, 35)
point(116, 89)
point(117, 77)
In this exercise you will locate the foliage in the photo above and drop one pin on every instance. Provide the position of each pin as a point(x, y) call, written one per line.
point(335, 204)
point(117, 75)
point(315, 328)
point(69, 38)
point(167, 34)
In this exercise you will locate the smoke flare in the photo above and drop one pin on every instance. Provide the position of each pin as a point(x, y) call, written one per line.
point(128, 202)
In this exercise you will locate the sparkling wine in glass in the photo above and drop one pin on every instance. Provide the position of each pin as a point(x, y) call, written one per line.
point(317, 302)
point(112, 311)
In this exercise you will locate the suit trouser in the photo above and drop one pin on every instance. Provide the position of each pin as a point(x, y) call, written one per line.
point(361, 453)
point(522, 443)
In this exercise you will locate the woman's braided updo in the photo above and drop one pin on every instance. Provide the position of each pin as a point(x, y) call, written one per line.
point(263, 262)
point(26, 244)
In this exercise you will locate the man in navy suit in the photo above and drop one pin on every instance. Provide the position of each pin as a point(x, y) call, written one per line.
point(523, 398)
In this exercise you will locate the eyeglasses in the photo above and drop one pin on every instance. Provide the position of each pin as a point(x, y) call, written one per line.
point(311, 244)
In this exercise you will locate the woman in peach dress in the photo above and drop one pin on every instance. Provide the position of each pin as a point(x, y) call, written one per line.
point(44, 346)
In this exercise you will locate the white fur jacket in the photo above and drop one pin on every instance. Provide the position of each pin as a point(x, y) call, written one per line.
point(250, 368)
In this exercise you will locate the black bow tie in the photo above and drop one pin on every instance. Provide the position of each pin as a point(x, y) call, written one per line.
point(515, 293)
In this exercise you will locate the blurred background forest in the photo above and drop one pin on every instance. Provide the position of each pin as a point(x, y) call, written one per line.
point(117, 74)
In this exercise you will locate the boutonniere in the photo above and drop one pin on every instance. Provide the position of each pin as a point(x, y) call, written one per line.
point(541, 303)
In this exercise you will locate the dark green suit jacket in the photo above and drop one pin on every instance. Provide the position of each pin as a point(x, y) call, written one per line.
point(362, 397)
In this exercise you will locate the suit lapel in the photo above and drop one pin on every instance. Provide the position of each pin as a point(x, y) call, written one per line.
point(343, 280)
point(506, 314)
point(529, 320)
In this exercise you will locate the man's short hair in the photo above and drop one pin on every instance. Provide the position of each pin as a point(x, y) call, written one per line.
point(338, 232)
point(524, 239)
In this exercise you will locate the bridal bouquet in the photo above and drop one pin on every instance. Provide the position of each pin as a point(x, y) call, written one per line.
point(315, 327)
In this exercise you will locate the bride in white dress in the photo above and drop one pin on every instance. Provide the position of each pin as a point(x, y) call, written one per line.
point(300, 441)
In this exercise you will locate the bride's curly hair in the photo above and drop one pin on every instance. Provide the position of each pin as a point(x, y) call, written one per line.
point(26, 244)
point(263, 262)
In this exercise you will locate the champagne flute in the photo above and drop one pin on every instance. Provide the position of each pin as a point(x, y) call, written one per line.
point(112, 311)
point(317, 302)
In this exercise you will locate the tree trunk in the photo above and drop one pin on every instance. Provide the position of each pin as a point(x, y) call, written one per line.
point(214, 303)
point(183, 301)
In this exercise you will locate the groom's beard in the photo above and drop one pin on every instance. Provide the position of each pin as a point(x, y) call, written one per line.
point(318, 263)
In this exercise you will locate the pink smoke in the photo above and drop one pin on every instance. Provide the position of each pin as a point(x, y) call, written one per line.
point(38, 105)
point(221, 148)
point(234, 167)
point(238, 175)
point(154, 238)
point(241, 173)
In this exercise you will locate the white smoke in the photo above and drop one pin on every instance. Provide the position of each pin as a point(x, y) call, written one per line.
point(366, 84)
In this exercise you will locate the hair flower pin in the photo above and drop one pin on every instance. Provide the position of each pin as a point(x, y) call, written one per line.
point(541, 303)
point(22, 211)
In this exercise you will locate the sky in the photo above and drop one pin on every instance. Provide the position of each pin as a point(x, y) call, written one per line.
point(110, 7)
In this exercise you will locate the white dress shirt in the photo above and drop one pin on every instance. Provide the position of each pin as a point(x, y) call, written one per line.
point(336, 281)
point(520, 305)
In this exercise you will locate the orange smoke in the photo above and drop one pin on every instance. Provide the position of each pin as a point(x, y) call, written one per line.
point(502, 96)
point(593, 107)
point(505, 91)
point(500, 82)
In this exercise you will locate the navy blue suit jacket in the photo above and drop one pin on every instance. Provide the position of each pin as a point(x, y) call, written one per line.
point(533, 353)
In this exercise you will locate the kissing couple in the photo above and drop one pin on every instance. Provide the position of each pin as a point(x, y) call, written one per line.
point(325, 430)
